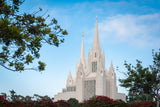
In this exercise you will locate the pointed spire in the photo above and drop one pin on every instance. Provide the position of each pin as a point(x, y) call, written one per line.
point(103, 52)
point(70, 79)
point(111, 67)
point(82, 57)
point(111, 64)
point(82, 48)
point(70, 75)
point(96, 44)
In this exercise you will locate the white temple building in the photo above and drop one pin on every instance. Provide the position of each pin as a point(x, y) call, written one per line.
point(91, 78)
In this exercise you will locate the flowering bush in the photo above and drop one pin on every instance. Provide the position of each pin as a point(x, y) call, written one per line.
point(3, 101)
point(143, 104)
point(41, 103)
point(120, 103)
point(99, 101)
point(105, 99)
point(62, 103)
point(73, 102)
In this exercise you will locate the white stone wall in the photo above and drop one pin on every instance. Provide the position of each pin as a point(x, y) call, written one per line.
point(65, 96)
point(79, 90)
point(107, 87)
point(121, 96)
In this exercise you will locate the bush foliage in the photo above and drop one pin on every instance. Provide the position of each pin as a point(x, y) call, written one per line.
point(98, 101)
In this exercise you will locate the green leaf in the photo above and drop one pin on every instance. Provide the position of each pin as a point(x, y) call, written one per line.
point(41, 66)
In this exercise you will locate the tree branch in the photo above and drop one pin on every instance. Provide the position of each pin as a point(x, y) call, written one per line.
point(18, 70)
point(7, 67)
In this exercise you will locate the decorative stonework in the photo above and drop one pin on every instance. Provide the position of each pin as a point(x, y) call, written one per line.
point(92, 78)
point(89, 89)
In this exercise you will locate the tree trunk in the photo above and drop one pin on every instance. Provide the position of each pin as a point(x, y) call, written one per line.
point(157, 98)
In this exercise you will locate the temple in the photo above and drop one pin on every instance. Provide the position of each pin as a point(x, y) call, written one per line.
point(91, 78)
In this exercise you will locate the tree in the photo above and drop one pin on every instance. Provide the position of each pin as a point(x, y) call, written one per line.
point(143, 83)
point(156, 74)
point(22, 36)
point(138, 80)
point(4, 95)
point(13, 96)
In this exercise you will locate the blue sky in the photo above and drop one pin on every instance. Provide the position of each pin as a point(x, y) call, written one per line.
point(128, 30)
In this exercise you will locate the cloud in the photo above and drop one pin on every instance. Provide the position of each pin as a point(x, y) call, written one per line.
point(137, 30)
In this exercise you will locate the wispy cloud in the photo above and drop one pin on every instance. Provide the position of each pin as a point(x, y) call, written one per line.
point(137, 30)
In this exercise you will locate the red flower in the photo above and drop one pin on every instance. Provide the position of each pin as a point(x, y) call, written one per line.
point(143, 104)
point(105, 99)
point(3, 100)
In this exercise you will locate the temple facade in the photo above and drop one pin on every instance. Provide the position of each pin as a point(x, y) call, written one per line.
point(91, 78)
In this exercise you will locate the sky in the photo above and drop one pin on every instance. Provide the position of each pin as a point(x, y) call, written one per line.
point(128, 30)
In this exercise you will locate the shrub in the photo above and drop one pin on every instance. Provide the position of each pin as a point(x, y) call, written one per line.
point(120, 103)
point(73, 102)
point(143, 104)
point(62, 103)
point(3, 101)
point(99, 101)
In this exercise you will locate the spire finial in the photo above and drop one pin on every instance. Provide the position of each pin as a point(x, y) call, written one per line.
point(82, 34)
point(96, 17)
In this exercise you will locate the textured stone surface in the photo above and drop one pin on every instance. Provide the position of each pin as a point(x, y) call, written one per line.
point(89, 89)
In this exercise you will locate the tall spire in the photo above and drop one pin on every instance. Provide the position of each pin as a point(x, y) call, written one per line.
point(70, 75)
point(111, 67)
point(96, 44)
point(82, 57)
point(70, 79)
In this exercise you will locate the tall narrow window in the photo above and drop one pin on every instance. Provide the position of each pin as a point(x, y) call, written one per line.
point(94, 66)
point(95, 55)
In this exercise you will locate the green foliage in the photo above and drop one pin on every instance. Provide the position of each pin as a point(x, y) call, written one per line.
point(22, 36)
point(138, 80)
point(61, 103)
point(73, 102)
point(45, 101)
point(156, 69)
point(41, 66)
point(13, 96)
point(156, 75)
point(120, 103)
point(141, 82)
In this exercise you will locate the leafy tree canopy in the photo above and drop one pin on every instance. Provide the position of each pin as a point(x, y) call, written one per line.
point(143, 82)
point(22, 36)
point(138, 80)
